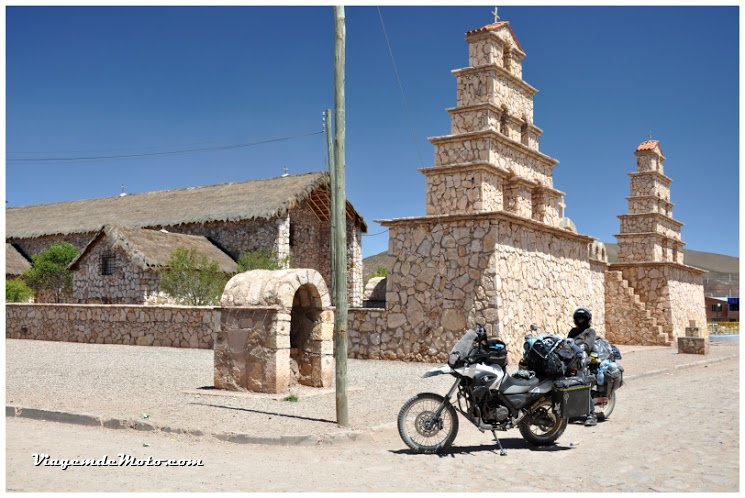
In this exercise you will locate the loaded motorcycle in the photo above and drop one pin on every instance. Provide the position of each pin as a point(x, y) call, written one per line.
point(488, 398)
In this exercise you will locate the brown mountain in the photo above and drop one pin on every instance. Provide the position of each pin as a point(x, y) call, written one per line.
point(723, 278)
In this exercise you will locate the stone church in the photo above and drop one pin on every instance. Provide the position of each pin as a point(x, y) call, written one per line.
point(494, 246)
point(287, 214)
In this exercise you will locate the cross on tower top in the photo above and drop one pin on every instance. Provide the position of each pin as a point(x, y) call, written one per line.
point(495, 14)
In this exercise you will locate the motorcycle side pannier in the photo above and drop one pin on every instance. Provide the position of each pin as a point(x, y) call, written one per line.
point(571, 397)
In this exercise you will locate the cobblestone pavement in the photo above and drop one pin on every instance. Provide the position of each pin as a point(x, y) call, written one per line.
point(670, 432)
point(163, 383)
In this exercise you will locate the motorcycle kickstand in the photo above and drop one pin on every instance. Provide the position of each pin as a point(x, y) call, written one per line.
point(499, 443)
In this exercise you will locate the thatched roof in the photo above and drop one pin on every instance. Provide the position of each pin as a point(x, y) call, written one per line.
point(150, 249)
point(15, 262)
point(254, 199)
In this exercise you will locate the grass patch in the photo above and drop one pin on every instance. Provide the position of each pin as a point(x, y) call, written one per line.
point(292, 398)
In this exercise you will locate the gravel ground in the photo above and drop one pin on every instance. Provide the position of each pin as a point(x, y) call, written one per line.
point(164, 383)
point(673, 432)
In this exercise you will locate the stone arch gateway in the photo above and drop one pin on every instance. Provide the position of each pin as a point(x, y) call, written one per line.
point(276, 330)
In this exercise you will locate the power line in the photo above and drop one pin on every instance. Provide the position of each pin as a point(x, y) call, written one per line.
point(374, 234)
point(163, 153)
point(401, 88)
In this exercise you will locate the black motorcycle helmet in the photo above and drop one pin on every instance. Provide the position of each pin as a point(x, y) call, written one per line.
point(582, 317)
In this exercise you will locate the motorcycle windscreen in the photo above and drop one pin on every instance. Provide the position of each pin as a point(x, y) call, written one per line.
point(462, 348)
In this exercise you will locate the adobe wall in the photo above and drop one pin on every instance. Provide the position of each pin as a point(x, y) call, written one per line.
point(127, 285)
point(175, 326)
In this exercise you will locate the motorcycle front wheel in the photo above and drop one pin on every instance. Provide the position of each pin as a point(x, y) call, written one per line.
point(420, 430)
point(542, 426)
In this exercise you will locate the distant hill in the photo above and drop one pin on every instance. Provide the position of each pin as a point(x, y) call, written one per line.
point(723, 278)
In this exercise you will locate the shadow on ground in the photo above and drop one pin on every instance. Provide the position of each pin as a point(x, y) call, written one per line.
point(300, 417)
point(507, 444)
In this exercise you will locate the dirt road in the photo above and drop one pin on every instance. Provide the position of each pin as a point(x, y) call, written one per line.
point(669, 433)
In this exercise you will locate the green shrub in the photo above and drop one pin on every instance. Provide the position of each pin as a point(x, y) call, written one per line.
point(16, 291)
point(192, 279)
point(263, 259)
point(382, 271)
point(49, 270)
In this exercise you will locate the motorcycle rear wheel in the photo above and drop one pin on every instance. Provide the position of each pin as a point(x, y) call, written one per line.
point(550, 426)
point(418, 429)
point(603, 411)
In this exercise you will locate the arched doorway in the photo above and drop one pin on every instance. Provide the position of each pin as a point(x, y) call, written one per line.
point(276, 329)
point(305, 319)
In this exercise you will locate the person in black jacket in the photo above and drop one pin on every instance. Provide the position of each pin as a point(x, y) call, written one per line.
point(584, 336)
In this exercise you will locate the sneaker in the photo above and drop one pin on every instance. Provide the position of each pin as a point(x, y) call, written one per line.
point(591, 420)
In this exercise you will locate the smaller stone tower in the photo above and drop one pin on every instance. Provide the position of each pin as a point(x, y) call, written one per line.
point(648, 230)
point(651, 296)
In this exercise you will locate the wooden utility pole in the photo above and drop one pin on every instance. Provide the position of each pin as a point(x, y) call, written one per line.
point(332, 188)
point(340, 223)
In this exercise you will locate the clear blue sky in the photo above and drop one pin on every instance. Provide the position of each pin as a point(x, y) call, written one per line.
point(119, 80)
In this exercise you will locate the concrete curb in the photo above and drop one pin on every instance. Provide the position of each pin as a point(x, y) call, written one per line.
point(661, 371)
point(140, 425)
point(233, 437)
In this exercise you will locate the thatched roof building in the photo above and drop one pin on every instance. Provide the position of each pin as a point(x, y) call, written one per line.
point(151, 249)
point(235, 201)
point(15, 262)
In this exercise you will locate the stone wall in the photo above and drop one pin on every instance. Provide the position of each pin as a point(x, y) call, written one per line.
point(233, 237)
point(310, 249)
point(672, 292)
point(465, 191)
point(128, 284)
point(628, 321)
point(542, 277)
point(175, 326)
point(35, 245)
point(497, 270)
point(309, 244)
point(369, 337)
point(686, 300)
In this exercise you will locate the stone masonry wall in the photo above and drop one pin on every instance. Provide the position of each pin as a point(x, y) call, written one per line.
point(233, 237)
point(463, 192)
point(673, 294)
point(174, 326)
point(686, 300)
point(35, 245)
point(447, 276)
point(542, 278)
point(628, 321)
point(127, 285)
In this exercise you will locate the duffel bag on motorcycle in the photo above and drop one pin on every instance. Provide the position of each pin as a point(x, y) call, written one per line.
point(571, 397)
point(613, 376)
point(541, 357)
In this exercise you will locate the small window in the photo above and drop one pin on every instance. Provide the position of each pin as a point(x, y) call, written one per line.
point(524, 137)
point(503, 122)
point(108, 262)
